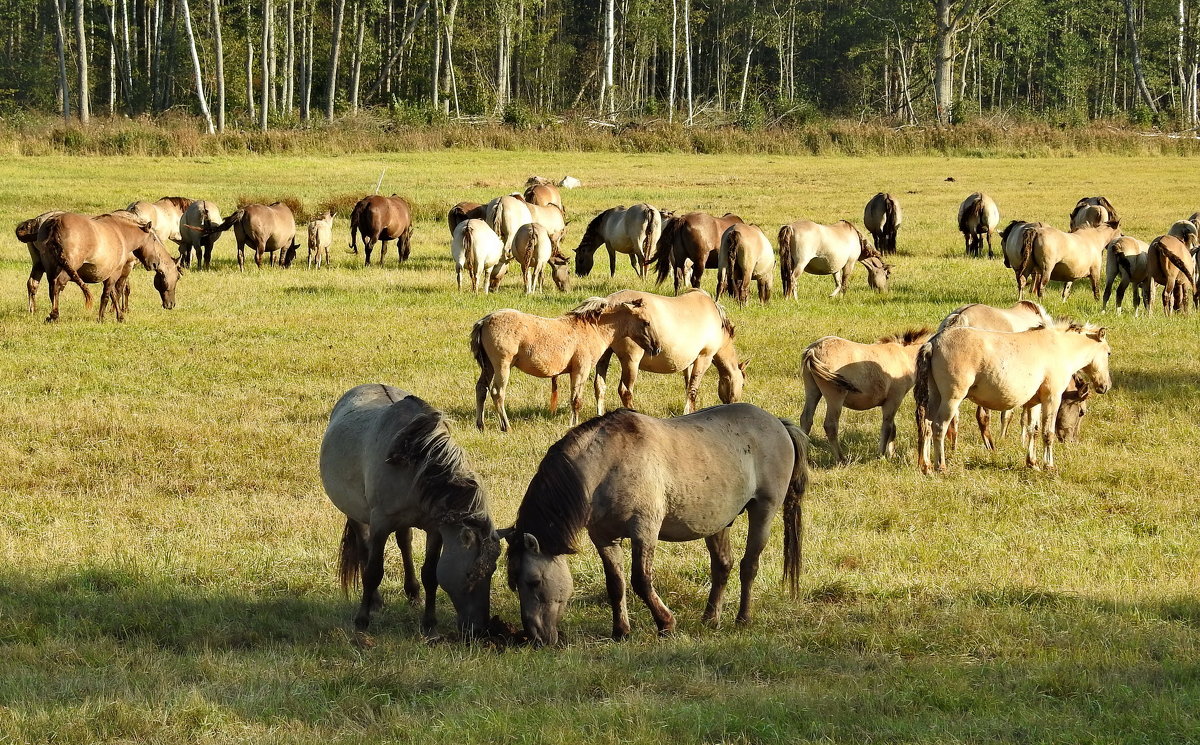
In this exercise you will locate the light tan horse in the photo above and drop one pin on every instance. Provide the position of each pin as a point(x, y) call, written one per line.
point(1125, 257)
point(265, 228)
point(320, 238)
point(1016, 245)
point(553, 219)
point(745, 254)
point(1000, 370)
point(477, 249)
point(860, 377)
point(1169, 264)
point(196, 233)
point(634, 231)
point(164, 216)
point(882, 217)
point(1097, 201)
point(1089, 215)
point(1066, 257)
point(806, 246)
point(27, 233)
point(978, 218)
point(548, 347)
point(103, 249)
point(694, 333)
point(533, 252)
point(506, 215)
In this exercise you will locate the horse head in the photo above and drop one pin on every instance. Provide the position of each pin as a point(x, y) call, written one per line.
point(1072, 409)
point(543, 584)
point(560, 272)
point(877, 273)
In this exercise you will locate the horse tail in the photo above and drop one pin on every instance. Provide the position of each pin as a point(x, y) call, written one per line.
point(733, 275)
point(54, 238)
point(355, 219)
point(812, 364)
point(786, 258)
point(1029, 239)
point(352, 555)
point(921, 396)
point(1123, 262)
point(477, 350)
point(663, 257)
point(1182, 266)
point(497, 218)
point(468, 248)
point(889, 214)
point(974, 211)
point(652, 225)
point(793, 510)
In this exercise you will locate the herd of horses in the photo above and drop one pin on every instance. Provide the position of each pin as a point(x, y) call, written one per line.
point(389, 463)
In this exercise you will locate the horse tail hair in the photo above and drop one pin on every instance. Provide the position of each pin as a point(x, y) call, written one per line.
point(355, 219)
point(652, 225)
point(352, 554)
point(228, 222)
point(1029, 239)
point(54, 242)
point(921, 396)
point(733, 276)
point(793, 510)
point(497, 217)
point(786, 259)
point(1123, 263)
point(974, 211)
point(663, 258)
point(477, 350)
point(812, 364)
point(1182, 266)
point(889, 213)
point(468, 247)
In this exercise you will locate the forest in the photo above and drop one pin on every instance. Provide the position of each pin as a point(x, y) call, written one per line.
point(266, 64)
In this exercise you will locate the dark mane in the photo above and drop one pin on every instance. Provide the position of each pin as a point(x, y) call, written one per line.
point(908, 338)
point(181, 202)
point(450, 490)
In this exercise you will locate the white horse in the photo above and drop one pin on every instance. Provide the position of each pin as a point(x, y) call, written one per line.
point(978, 217)
point(481, 252)
point(629, 230)
point(320, 238)
point(806, 246)
point(196, 232)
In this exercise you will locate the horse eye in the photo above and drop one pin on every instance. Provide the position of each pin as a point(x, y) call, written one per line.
point(533, 583)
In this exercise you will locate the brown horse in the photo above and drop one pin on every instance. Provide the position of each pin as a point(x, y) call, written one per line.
point(382, 219)
point(543, 192)
point(1169, 263)
point(27, 233)
point(102, 249)
point(691, 240)
point(464, 211)
point(548, 347)
point(266, 228)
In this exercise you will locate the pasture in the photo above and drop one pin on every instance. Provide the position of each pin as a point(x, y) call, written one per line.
point(167, 554)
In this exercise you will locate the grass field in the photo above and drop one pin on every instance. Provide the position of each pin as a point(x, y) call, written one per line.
point(167, 554)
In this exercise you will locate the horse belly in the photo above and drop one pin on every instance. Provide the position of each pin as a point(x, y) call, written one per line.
point(670, 361)
point(1002, 392)
point(541, 360)
point(818, 265)
point(707, 504)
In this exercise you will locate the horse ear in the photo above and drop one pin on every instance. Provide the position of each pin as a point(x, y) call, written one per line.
point(638, 303)
point(1101, 333)
point(531, 543)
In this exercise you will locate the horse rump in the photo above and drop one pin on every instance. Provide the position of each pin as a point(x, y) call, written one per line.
point(814, 366)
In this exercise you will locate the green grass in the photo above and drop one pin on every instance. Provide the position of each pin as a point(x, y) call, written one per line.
point(167, 554)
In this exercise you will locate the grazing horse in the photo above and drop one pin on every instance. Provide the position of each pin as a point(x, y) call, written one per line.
point(1089, 215)
point(381, 219)
point(1086, 202)
point(196, 233)
point(506, 215)
point(806, 246)
point(389, 464)
point(1066, 257)
point(1001, 370)
point(627, 475)
point(632, 230)
point(1126, 258)
point(1016, 246)
point(882, 217)
point(745, 255)
point(164, 216)
point(548, 347)
point(861, 377)
point(691, 240)
point(978, 217)
point(480, 251)
point(694, 333)
point(27, 233)
point(266, 228)
point(320, 238)
point(1170, 265)
point(553, 219)
point(465, 211)
point(533, 251)
point(543, 192)
point(103, 249)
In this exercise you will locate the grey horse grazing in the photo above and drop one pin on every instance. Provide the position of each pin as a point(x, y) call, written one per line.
point(389, 464)
point(629, 230)
point(882, 216)
point(627, 475)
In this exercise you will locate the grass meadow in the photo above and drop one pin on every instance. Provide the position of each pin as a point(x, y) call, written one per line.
point(167, 554)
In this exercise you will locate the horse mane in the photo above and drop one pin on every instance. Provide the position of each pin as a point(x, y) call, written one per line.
point(973, 209)
point(909, 337)
point(449, 489)
point(590, 310)
point(726, 324)
point(181, 202)
point(1038, 309)
point(538, 181)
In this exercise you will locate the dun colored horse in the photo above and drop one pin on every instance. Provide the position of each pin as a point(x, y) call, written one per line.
point(1016, 245)
point(1098, 201)
point(860, 377)
point(196, 233)
point(1001, 370)
point(27, 233)
point(380, 219)
point(320, 238)
point(1066, 257)
point(548, 347)
point(694, 333)
point(265, 228)
point(164, 216)
point(882, 217)
point(808, 247)
point(1090, 215)
point(543, 192)
point(745, 255)
point(533, 251)
point(978, 217)
point(1170, 264)
point(389, 464)
point(506, 215)
point(690, 241)
point(632, 230)
point(627, 475)
point(1126, 258)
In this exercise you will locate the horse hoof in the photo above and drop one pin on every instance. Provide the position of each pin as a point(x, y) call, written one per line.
point(361, 622)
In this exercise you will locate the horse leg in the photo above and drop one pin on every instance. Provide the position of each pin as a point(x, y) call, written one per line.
point(887, 432)
point(837, 283)
point(372, 576)
point(578, 378)
point(991, 255)
point(499, 385)
point(599, 381)
point(812, 397)
point(55, 289)
point(554, 393)
point(31, 285)
point(756, 541)
point(1049, 435)
point(946, 411)
point(983, 417)
point(368, 247)
point(643, 580)
point(720, 557)
point(1094, 276)
point(433, 551)
point(1121, 295)
point(258, 256)
point(1005, 419)
point(106, 295)
point(481, 392)
point(833, 414)
point(629, 374)
point(1066, 293)
point(697, 274)
point(412, 588)
point(952, 433)
point(699, 366)
point(612, 558)
point(241, 252)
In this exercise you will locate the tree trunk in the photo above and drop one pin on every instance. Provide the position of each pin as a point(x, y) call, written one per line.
point(749, 51)
point(449, 82)
point(674, 60)
point(1185, 108)
point(127, 83)
point(249, 66)
point(264, 100)
point(60, 47)
point(191, 38)
point(687, 50)
point(435, 78)
point(610, 45)
point(219, 53)
point(289, 73)
point(355, 73)
point(1138, 73)
point(81, 51)
point(385, 71)
point(339, 12)
point(943, 75)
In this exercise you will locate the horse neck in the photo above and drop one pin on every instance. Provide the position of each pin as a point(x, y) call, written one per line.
point(599, 333)
point(1078, 349)
point(726, 359)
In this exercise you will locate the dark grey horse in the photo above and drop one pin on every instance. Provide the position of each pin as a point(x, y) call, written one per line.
point(627, 475)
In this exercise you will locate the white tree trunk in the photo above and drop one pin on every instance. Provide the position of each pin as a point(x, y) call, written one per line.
point(191, 39)
point(339, 13)
point(60, 47)
point(687, 50)
point(81, 51)
point(674, 60)
point(264, 101)
point(219, 53)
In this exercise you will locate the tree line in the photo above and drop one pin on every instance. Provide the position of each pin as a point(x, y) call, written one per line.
point(271, 63)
